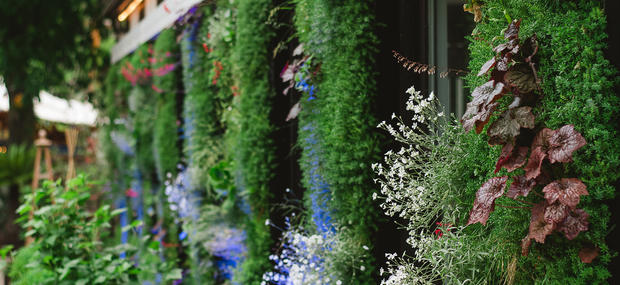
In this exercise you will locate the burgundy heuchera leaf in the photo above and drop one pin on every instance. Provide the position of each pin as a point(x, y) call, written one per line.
point(508, 126)
point(532, 169)
point(511, 158)
point(486, 66)
point(539, 229)
point(539, 153)
point(521, 78)
point(566, 190)
point(520, 186)
point(526, 242)
point(483, 104)
point(485, 199)
point(563, 142)
point(574, 223)
point(556, 213)
point(588, 254)
point(512, 32)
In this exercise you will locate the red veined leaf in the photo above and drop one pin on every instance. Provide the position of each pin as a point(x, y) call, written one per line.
point(486, 66)
point(539, 152)
point(520, 186)
point(502, 64)
point(504, 156)
point(521, 77)
point(485, 199)
point(563, 142)
point(479, 110)
point(539, 229)
point(556, 213)
point(574, 223)
point(542, 139)
point(488, 93)
point(588, 254)
point(511, 159)
point(512, 32)
point(508, 126)
point(566, 190)
point(532, 169)
point(480, 119)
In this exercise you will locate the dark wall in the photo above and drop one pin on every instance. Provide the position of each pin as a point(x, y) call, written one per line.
point(402, 27)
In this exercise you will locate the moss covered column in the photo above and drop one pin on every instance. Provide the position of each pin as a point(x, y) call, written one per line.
point(340, 35)
point(166, 129)
point(255, 154)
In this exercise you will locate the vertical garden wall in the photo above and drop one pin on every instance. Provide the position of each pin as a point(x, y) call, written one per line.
point(336, 125)
point(571, 86)
point(578, 87)
point(192, 115)
point(255, 156)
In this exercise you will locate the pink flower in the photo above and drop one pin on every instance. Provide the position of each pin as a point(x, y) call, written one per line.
point(131, 193)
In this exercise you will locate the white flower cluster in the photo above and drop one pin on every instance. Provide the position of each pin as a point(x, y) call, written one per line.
point(302, 260)
point(310, 259)
point(180, 196)
point(410, 183)
point(407, 176)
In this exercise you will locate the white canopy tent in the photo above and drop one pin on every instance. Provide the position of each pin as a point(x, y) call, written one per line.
point(53, 109)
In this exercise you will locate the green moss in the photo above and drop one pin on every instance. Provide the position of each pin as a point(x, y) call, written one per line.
point(165, 133)
point(577, 83)
point(341, 37)
point(142, 101)
point(255, 149)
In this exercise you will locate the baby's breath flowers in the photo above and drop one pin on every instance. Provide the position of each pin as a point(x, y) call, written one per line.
point(413, 185)
point(309, 258)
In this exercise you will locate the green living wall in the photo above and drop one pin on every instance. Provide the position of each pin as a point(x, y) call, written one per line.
point(255, 151)
point(340, 37)
point(165, 132)
point(577, 87)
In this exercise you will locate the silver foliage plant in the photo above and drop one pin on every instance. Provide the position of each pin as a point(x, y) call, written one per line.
point(416, 186)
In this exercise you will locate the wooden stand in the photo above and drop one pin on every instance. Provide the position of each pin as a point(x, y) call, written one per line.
point(43, 147)
point(71, 136)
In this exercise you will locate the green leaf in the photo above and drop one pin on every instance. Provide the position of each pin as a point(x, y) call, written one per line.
point(4, 250)
point(118, 212)
point(100, 279)
point(174, 274)
point(136, 223)
point(51, 239)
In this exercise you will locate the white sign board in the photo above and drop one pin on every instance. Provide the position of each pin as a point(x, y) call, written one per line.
point(154, 22)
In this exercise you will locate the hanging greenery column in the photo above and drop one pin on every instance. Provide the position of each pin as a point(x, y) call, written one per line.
point(165, 132)
point(255, 153)
point(340, 36)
